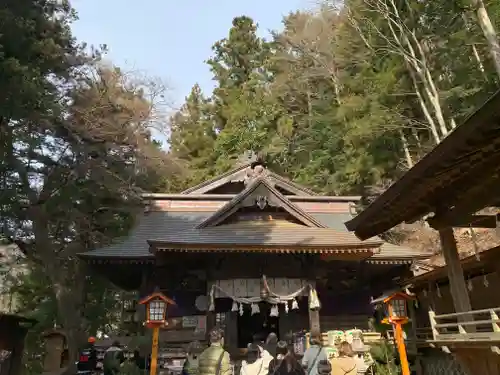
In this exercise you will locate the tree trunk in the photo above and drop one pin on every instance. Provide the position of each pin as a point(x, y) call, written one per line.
point(406, 149)
point(70, 302)
point(489, 32)
point(67, 283)
point(408, 45)
point(423, 106)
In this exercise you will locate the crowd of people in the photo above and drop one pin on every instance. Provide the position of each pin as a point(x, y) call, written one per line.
point(271, 357)
point(114, 361)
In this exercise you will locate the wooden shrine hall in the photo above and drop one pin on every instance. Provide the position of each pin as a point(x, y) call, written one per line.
point(255, 253)
point(455, 185)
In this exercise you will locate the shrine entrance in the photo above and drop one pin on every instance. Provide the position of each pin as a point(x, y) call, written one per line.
point(257, 326)
point(255, 307)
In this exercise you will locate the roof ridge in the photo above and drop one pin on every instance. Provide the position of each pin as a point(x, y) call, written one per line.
point(291, 182)
point(239, 168)
point(218, 177)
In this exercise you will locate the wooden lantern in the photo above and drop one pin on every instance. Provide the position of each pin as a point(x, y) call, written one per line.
point(156, 317)
point(396, 308)
point(156, 308)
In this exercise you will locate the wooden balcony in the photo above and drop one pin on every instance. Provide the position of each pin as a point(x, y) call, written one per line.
point(473, 337)
point(476, 326)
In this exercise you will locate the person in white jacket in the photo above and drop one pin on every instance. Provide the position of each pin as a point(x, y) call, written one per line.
point(255, 364)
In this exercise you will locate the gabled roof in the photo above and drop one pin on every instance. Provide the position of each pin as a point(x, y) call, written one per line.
point(239, 173)
point(263, 188)
point(192, 222)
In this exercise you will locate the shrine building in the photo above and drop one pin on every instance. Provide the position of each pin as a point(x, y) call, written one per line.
point(255, 253)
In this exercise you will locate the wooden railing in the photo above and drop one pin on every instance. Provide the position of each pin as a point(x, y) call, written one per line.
point(471, 326)
point(423, 334)
point(420, 337)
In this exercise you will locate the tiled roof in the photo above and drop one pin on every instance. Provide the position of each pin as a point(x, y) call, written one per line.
point(179, 227)
point(256, 233)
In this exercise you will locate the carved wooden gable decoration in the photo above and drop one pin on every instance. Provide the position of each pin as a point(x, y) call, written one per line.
point(260, 201)
point(239, 178)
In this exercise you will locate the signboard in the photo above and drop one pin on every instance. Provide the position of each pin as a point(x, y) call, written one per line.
point(196, 322)
point(190, 321)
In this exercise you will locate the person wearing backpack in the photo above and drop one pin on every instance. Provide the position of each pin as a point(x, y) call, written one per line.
point(113, 359)
point(215, 360)
point(285, 362)
point(313, 356)
point(87, 362)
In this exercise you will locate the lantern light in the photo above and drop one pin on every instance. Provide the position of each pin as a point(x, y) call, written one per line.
point(156, 308)
point(157, 311)
point(394, 307)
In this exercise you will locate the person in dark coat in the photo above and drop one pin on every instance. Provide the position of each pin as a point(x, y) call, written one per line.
point(285, 362)
point(113, 359)
point(139, 360)
point(88, 357)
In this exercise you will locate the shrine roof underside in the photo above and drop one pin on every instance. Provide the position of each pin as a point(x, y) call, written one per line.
point(269, 214)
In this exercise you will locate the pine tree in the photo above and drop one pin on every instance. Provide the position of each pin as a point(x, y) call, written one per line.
point(193, 136)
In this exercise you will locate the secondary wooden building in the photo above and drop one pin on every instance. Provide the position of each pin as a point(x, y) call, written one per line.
point(13, 330)
point(449, 187)
point(255, 253)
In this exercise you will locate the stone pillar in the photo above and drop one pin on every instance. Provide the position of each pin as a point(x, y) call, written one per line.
point(54, 348)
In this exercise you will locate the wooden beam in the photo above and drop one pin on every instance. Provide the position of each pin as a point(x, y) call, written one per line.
point(458, 287)
point(476, 190)
point(466, 221)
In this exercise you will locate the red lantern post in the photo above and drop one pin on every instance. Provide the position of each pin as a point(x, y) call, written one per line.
point(156, 317)
point(395, 311)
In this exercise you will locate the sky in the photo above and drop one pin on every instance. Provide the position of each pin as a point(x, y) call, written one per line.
point(171, 39)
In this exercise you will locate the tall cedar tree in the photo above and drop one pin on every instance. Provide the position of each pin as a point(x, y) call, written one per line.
point(75, 151)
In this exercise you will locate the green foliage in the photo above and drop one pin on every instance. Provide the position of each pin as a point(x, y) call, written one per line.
point(341, 98)
point(384, 357)
point(75, 154)
point(338, 100)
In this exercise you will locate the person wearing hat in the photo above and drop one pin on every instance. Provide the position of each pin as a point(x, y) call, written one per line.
point(88, 357)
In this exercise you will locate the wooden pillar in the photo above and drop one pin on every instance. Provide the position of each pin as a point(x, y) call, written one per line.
point(143, 292)
point(413, 325)
point(458, 287)
point(231, 332)
point(431, 298)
